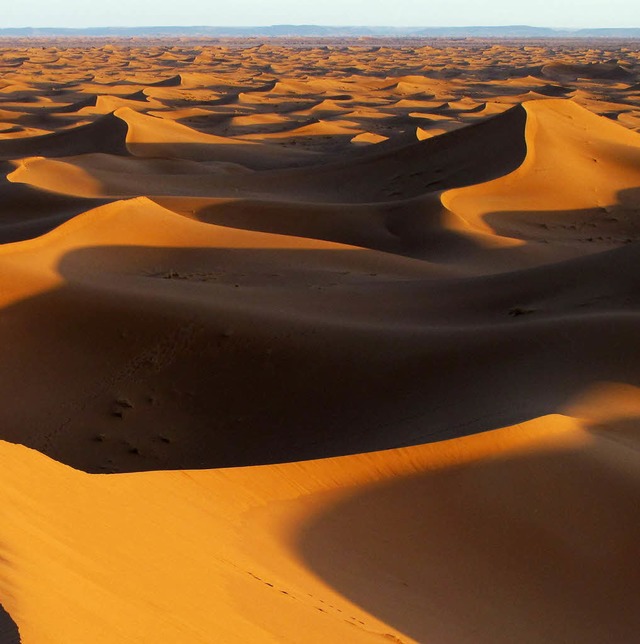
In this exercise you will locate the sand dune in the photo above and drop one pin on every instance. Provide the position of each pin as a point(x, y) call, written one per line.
point(378, 175)
point(392, 545)
point(564, 171)
point(319, 343)
point(105, 135)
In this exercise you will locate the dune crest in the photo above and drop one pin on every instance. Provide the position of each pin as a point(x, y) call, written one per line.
point(575, 161)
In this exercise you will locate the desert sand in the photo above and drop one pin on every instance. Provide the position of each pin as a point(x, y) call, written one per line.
point(319, 343)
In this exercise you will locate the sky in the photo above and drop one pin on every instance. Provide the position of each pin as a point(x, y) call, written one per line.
point(133, 13)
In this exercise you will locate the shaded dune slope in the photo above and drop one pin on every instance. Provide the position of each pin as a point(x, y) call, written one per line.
point(107, 135)
point(27, 212)
point(8, 629)
point(170, 333)
point(189, 321)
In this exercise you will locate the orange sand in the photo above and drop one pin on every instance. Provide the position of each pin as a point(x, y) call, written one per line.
point(319, 344)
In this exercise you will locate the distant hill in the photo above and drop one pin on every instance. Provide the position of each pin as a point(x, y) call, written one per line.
point(317, 31)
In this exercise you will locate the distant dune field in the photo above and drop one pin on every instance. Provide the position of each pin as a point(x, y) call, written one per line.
point(322, 343)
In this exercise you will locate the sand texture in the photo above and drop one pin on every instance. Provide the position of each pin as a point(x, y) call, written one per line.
point(319, 343)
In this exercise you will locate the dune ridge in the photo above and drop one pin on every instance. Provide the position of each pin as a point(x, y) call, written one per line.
point(319, 343)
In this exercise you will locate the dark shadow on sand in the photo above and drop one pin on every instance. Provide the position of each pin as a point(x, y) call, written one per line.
point(8, 630)
point(235, 357)
point(521, 548)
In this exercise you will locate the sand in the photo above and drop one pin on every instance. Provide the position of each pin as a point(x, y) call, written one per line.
point(319, 344)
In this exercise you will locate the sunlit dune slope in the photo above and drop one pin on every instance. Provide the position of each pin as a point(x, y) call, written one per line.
point(501, 536)
point(576, 161)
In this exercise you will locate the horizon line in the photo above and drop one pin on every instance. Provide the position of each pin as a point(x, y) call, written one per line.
point(322, 25)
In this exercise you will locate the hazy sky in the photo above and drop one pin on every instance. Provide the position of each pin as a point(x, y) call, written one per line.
point(549, 13)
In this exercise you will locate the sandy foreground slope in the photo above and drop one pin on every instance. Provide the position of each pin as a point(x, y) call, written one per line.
point(319, 344)
point(527, 533)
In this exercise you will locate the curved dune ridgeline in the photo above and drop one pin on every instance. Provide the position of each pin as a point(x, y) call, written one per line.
point(324, 344)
